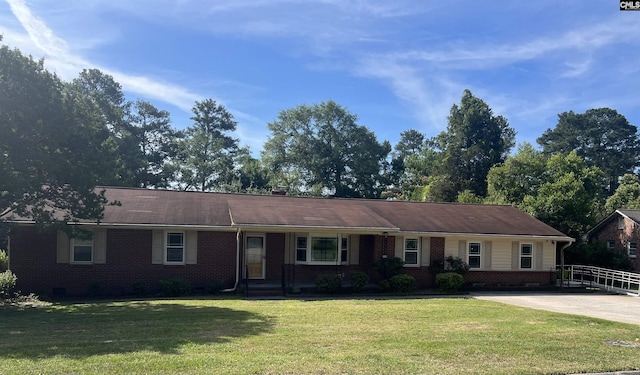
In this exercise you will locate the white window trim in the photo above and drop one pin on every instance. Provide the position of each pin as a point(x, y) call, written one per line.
point(609, 242)
point(72, 245)
point(474, 255)
point(526, 256)
point(629, 250)
point(309, 238)
point(417, 251)
point(166, 246)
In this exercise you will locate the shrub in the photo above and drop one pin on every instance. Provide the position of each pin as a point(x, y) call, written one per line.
point(214, 287)
point(329, 283)
point(4, 261)
point(402, 283)
point(389, 267)
point(175, 287)
point(359, 280)
point(449, 282)
point(140, 288)
point(385, 286)
point(456, 264)
point(7, 284)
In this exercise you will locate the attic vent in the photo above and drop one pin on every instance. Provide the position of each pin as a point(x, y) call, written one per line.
point(147, 196)
point(144, 211)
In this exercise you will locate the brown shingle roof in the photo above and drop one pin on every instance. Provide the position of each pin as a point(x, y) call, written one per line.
point(162, 207)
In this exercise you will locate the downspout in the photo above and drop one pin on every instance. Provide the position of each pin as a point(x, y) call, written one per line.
point(235, 286)
point(562, 263)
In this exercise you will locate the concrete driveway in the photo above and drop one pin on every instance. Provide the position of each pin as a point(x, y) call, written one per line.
point(619, 308)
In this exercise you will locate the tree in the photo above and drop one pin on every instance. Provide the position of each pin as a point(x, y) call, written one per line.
point(560, 190)
point(626, 196)
point(207, 153)
point(602, 137)
point(51, 145)
point(321, 150)
point(474, 141)
point(156, 141)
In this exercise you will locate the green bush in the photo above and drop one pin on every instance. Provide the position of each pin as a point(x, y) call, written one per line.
point(214, 287)
point(358, 281)
point(449, 282)
point(7, 284)
point(402, 283)
point(175, 287)
point(456, 264)
point(389, 267)
point(385, 286)
point(4, 261)
point(329, 283)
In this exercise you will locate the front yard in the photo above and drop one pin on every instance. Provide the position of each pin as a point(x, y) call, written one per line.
point(235, 336)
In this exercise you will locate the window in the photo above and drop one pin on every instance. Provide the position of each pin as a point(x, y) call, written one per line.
point(526, 256)
point(81, 250)
point(474, 255)
point(301, 249)
point(411, 252)
point(620, 222)
point(344, 249)
point(632, 249)
point(322, 249)
point(174, 251)
point(611, 245)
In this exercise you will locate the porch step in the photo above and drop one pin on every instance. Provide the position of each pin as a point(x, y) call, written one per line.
point(261, 290)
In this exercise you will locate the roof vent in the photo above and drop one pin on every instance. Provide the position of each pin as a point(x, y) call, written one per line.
point(278, 191)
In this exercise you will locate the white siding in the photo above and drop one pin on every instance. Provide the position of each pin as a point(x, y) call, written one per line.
point(501, 251)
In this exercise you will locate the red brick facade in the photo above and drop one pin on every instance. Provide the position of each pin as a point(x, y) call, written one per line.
point(128, 261)
point(33, 258)
point(622, 234)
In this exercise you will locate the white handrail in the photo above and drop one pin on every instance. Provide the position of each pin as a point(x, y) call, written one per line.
point(604, 278)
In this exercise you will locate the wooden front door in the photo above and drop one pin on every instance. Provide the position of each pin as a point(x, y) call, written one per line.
point(255, 256)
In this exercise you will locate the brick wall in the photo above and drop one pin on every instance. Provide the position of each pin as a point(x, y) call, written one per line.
point(509, 278)
point(630, 233)
point(33, 260)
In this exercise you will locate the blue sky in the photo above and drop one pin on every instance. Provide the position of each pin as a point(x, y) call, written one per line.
point(398, 65)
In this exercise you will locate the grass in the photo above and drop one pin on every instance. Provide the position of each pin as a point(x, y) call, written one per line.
point(393, 336)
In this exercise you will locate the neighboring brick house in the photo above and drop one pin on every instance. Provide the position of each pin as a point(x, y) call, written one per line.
point(215, 237)
point(620, 230)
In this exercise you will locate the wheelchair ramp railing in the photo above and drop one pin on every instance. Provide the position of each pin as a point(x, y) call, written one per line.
point(606, 279)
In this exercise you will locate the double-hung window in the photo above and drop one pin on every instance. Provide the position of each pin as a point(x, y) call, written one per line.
point(632, 249)
point(81, 250)
point(411, 251)
point(174, 249)
point(322, 249)
point(611, 245)
point(475, 255)
point(526, 256)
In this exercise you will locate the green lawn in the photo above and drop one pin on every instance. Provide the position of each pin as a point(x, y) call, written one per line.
point(393, 336)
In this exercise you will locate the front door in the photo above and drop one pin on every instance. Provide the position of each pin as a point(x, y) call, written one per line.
point(255, 257)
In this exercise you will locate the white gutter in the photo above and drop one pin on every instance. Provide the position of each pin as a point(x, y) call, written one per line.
point(235, 286)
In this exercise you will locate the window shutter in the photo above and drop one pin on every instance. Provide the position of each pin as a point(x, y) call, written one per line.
point(289, 258)
point(354, 249)
point(399, 247)
point(539, 256)
point(99, 246)
point(63, 253)
point(515, 255)
point(191, 247)
point(486, 255)
point(462, 250)
point(425, 249)
point(157, 243)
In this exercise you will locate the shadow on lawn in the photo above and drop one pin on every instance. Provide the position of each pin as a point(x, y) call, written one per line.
point(81, 330)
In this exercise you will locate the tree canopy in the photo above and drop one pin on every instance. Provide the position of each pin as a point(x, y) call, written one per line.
point(51, 145)
point(321, 150)
point(602, 137)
